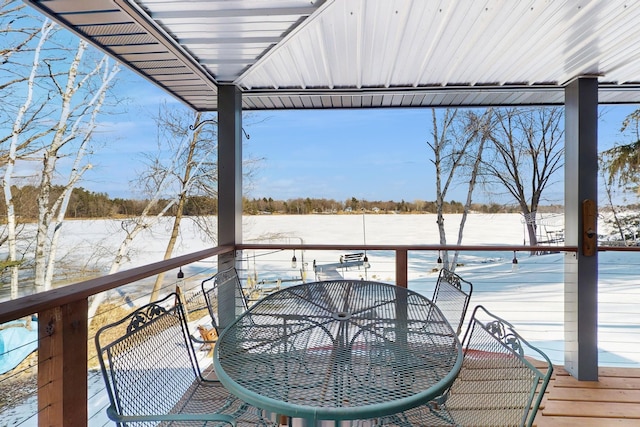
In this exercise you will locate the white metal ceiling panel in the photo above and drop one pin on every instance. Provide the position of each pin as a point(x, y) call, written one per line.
point(367, 53)
point(399, 43)
point(240, 30)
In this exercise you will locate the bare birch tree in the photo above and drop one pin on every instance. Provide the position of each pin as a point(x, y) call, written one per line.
point(82, 129)
point(23, 43)
point(53, 96)
point(15, 145)
point(203, 182)
point(477, 128)
point(527, 151)
point(81, 99)
point(184, 163)
point(455, 143)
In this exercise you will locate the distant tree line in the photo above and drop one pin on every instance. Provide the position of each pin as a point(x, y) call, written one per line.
point(302, 206)
point(88, 204)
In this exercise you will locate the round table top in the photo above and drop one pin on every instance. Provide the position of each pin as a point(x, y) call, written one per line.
point(345, 349)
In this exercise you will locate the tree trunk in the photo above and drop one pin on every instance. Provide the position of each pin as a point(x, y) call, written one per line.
point(77, 170)
point(528, 147)
point(142, 222)
point(175, 231)
point(532, 230)
point(607, 186)
point(45, 31)
point(482, 129)
point(45, 215)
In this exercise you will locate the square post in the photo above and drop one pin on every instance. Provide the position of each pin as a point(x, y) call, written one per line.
point(229, 187)
point(402, 267)
point(581, 196)
point(62, 365)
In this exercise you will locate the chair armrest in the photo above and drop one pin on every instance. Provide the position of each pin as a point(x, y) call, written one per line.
point(113, 416)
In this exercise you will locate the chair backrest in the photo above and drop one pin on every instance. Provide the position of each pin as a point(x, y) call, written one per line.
point(451, 296)
point(503, 378)
point(147, 360)
point(193, 302)
point(212, 288)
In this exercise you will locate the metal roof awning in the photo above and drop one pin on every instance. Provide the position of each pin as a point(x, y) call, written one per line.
point(310, 54)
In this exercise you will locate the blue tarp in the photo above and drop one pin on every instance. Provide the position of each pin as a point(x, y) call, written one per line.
point(16, 343)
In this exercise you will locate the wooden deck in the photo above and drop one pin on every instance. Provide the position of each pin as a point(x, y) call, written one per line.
point(614, 400)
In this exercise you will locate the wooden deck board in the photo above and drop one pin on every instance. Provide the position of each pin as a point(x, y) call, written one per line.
point(584, 422)
point(613, 400)
point(596, 395)
point(615, 383)
point(592, 409)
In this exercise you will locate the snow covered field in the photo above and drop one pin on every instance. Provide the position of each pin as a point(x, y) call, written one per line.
point(531, 297)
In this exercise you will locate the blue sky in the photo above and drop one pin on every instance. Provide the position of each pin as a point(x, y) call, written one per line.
point(334, 154)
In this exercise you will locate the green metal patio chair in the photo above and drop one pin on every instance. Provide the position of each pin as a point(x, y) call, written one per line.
point(152, 373)
point(197, 315)
point(211, 288)
point(451, 296)
point(501, 383)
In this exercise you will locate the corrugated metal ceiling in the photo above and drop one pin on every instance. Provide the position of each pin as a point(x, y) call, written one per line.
point(367, 53)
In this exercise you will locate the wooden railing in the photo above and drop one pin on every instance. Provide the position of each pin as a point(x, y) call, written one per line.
point(62, 337)
point(401, 251)
point(63, 331)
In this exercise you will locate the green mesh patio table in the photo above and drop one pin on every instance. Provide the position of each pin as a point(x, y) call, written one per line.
point(339, 350)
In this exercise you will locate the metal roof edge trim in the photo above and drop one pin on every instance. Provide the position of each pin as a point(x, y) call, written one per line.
point(583, 76)
point(140, 16)
point(410, 90)
point(394, 107)
point(265, 99)
point(398, 90)
point(39, 6)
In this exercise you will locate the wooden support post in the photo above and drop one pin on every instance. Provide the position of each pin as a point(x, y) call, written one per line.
point(402, 267)
point(62, 365)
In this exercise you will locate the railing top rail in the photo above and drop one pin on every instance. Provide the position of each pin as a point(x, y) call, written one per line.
point(604, 248)
point(387, 247)
point(30, 304)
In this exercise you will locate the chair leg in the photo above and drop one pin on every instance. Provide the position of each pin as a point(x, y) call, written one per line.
point(283, 420)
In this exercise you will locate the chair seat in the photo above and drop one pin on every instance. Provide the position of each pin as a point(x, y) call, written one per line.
point(209, 397)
